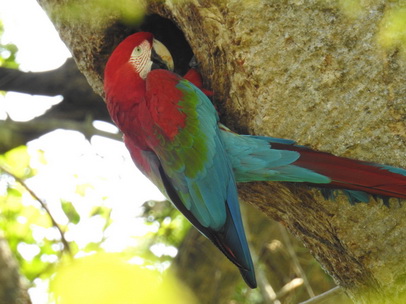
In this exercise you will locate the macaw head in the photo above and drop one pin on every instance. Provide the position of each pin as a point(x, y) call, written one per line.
point(134, 57)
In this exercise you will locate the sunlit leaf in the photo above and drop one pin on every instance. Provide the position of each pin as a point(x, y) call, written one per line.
point(17, 161)
point(100, 210)
point(82, 188)
point(36, 216)
point(107, 278)
point(392, 29)
point(7, 53)
point(128, 11)
point(92, 247)
point(39, 156)
point(33, 269)
point(70, 212)
point(13, 192)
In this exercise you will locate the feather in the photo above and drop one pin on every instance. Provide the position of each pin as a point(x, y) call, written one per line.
point(309, 166)
point(205, 187)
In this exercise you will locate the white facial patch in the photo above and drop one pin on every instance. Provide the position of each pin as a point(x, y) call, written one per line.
point(141, 59)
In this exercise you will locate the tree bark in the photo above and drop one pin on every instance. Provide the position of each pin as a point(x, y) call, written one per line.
point(311, 71)
point(12, 288)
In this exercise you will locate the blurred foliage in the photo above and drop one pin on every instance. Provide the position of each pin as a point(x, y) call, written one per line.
point(7, 52)
point(392, 29)
point(108, 278)
point(130, 12)
point(391, 34)
point(38, 247)
point(19, 222)
point(172, 225)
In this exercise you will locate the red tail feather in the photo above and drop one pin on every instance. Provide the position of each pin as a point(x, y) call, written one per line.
point(350, 174)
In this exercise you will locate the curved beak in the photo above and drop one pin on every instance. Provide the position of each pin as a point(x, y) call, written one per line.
point(161, 57)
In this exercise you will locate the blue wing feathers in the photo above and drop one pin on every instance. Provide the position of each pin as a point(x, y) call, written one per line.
point(212, 192)
point(208, 197)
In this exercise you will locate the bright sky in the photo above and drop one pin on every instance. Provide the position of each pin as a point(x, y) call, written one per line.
point(71, 159)
point(27, 26)
point(39, 49)
point(49, 53)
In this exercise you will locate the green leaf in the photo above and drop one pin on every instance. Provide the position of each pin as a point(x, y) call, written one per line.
point(13, 192)
point(33, 269)
point(7, 53)
point(36, 216)
point(100, 210)
point(82, 188)
point(70, 212)
point(17, 161)
point(91, 247)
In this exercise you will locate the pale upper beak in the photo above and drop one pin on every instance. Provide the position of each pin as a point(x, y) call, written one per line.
point(161, 57)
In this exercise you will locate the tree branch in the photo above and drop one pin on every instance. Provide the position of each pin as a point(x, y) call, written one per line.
point(40, 83)
point(326, 296)
point(14, 133)
point(79, 100)
point(43, 205)
point(298, 268)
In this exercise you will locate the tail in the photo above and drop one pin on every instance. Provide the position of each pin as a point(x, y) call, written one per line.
point(351, 174)
point(284, 161)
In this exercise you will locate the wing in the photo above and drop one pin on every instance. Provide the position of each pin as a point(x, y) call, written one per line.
point(195, 168)
point(189, 148)
point(147, 162)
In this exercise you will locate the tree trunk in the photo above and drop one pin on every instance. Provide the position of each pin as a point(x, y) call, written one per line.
point(12, 289)
point(313, 71)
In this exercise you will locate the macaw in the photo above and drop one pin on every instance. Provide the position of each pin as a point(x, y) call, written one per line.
point(173, 134)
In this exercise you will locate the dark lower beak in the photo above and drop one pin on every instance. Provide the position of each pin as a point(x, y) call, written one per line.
point(157, 62)
point(160, 56)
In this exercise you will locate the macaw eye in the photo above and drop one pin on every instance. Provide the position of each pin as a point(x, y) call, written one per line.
point(140, 59)
point(137, 51)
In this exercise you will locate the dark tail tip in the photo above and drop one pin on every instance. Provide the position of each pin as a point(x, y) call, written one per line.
point(249, 277)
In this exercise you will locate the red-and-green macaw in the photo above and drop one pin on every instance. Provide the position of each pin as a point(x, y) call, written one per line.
point(174, 137)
